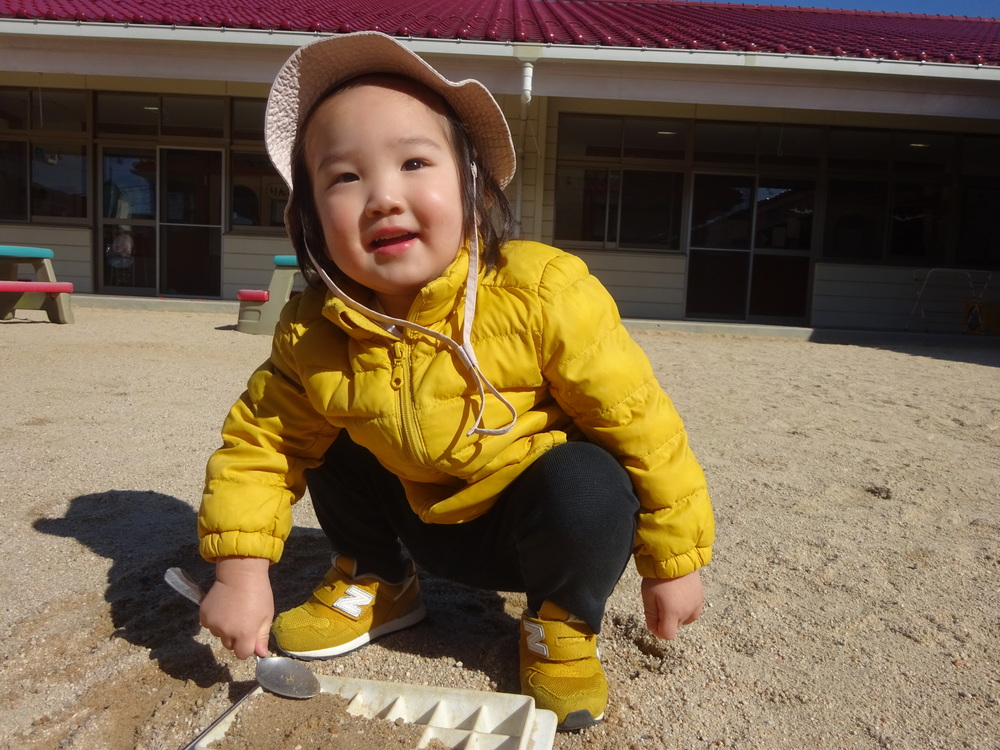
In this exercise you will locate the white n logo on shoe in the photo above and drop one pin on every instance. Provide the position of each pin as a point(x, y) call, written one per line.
point(536, 638)
point(353, 600)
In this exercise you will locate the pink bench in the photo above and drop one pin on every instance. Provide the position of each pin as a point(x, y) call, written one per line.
point(44, 293)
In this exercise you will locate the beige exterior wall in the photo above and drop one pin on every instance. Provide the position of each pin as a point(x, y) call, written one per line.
point(646, 285)
point(899, 299)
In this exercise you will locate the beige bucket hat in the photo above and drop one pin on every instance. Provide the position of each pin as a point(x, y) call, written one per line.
point(317, 67)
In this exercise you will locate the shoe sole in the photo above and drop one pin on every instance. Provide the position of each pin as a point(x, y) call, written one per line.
point(406, 621)
point(577, 720)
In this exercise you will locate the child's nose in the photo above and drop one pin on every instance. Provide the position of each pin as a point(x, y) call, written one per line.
point(384, 198)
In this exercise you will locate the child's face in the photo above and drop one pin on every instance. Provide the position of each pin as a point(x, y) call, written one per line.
point(386, 188)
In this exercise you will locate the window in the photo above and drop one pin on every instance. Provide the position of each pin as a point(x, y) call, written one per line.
point(722, 213)
point(980, 203)
point(650, 138)
point(866, 150)
point(259, 195)
point(59, 111)
point(585, 198)
point(128, 179)
point(56, 173)
point(13, 109)
point(135, 114)
point(728, 142)
point(921, 221)
point(855, 219)
point(790, 145)
point(13, 181)
point(193, 116)
point(978, 246)
point(784, 214)
point(923, 153)
point(248, 119)
point(151, 114)
point(651, 210)
point(611, 189)
point(42, 178)
point(59, 180)
point(909, 197)
point(588, 136)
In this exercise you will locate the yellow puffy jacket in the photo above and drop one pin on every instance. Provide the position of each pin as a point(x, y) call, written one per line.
point(547, 336)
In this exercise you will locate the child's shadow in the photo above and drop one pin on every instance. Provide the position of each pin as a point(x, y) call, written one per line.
point(143, 534)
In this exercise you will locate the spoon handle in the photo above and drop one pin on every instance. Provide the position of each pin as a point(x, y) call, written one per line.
point(228, 713)
point(184, 585)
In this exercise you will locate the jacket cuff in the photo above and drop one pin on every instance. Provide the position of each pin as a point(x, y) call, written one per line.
point(675, 567)
point(241, 544)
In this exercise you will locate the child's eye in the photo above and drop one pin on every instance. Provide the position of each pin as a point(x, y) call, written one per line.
point(345, 177)
point(411, 164)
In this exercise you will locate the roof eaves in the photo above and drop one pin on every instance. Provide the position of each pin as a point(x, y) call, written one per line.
point(767, 60)
point(782, 59)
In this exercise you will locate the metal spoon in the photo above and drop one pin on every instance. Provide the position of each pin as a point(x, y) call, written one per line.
point(276, 674)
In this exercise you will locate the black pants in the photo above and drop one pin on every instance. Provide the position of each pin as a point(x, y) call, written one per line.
point(562, 532)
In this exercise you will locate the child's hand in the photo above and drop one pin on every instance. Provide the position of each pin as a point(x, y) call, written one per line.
point(671, 602)
point(239, 607)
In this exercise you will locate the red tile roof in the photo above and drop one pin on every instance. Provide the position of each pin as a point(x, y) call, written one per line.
point(669, 24)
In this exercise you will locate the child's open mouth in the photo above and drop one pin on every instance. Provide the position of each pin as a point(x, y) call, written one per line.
point(391, 242)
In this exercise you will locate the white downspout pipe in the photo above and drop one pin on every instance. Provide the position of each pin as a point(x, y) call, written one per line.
point(527, 76)
point(527, 54)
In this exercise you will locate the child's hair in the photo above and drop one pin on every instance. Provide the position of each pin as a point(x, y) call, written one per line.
point(482, 196)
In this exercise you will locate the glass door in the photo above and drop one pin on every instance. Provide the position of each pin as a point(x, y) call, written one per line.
point(161, 222)
point(718, 274)
point(749, 256)
point(127, 228)
point(781, 268)
point(190, 222)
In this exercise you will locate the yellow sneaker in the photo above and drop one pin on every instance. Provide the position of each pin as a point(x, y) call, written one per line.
point(560, 668)
point(347, 611)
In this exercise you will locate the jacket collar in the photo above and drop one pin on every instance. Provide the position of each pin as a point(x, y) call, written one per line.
point(349, 305)
point(433, 304)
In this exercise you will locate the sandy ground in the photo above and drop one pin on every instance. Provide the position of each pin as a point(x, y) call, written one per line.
point(854, 601)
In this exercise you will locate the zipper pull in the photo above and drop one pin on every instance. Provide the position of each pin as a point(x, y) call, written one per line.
point(397, 365)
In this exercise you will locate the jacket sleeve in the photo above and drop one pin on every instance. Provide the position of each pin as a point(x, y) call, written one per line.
point(606, 384)
point(270, 437)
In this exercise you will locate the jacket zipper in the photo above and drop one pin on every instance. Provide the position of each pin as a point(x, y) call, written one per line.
point(401, 384)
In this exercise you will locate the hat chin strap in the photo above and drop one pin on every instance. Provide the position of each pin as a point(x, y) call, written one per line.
point(463, 351)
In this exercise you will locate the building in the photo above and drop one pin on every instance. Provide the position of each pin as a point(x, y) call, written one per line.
point(710, 162)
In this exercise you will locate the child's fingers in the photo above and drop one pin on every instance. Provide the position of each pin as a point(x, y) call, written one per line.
point(261, 648)
point(662, 625)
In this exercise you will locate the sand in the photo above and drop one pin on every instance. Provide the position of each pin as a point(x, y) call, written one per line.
point(854, 601)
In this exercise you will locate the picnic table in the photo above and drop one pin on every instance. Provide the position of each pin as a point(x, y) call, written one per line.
point(261, 308)
point(44, 292)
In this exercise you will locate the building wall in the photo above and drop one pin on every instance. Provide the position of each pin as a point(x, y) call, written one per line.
point(900, 298)
point(653, 284)
point(646, 284)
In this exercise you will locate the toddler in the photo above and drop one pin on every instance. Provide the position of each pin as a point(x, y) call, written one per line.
point(449, 396)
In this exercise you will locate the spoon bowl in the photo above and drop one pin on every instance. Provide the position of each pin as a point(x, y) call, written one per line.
point(287, 677)
point(276, 674)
